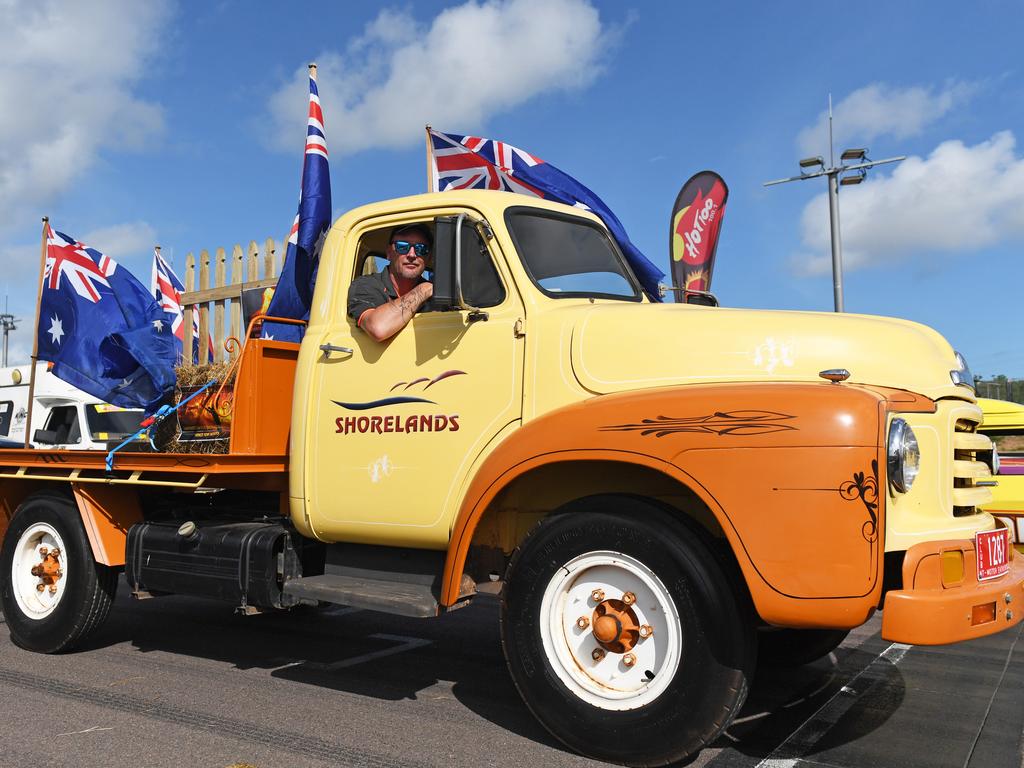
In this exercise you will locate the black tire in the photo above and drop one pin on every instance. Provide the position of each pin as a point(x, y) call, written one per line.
point(796, 647)
point(710, 681)
point(87, 588)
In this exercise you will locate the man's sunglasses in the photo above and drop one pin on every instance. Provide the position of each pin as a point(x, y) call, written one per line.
point(402, 247)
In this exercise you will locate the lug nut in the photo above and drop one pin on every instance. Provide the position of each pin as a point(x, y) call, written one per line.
point(582, 622)
point(598, 654)
point(1008, 598)
point(53, 589)
point(629, 659)
point(646, 630)
point(629, 598)
point(597, 595)
point(40, 587)
point(43, 551)
point(1009, 615)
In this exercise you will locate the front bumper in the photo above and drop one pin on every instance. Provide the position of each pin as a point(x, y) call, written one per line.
point(943, 602)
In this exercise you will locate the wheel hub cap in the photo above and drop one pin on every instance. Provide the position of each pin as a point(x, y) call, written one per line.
point(616, 627)
point(47, 570)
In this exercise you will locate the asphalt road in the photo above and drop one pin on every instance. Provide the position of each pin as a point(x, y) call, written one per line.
point(180, 682)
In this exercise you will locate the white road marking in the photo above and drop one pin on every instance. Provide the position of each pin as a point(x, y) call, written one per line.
point(94, 729)
point(406, 644)
point(803, 739)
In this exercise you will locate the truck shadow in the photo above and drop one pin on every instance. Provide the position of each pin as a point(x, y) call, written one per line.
point(794, 712)
point(375, 655)
point(458, 656)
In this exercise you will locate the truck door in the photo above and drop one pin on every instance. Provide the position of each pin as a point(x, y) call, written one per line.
point(399, 424)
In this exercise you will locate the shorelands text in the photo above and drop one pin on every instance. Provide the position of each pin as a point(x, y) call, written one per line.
point(347, 425)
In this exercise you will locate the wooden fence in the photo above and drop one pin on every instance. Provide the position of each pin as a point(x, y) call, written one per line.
point(213, 288)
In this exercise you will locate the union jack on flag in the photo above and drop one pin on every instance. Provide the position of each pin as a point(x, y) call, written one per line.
point(294, 292)
point(472, 162)
point(84, 268)
point(167, 290)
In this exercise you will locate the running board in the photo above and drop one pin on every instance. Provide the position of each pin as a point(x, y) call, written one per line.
point(394, 597)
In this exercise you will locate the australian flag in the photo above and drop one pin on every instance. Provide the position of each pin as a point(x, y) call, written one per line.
point(101, 328)
point(294, 293)
point(167, 289)
point(470, 162)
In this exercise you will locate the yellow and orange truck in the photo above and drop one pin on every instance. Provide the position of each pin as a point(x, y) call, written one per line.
point(659, 493)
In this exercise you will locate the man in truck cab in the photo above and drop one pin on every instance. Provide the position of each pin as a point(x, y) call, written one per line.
point(382, 304)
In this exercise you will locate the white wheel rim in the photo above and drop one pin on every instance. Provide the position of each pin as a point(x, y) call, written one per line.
point(607, 682)
point(36, 604)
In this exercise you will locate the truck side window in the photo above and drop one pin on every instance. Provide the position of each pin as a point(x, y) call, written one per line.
point(63, 422)
point(6, 415)
point(481, 286)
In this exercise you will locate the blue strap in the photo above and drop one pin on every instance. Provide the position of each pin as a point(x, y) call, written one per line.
point(162, 413)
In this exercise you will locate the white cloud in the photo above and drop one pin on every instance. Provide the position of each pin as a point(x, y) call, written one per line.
point(880, 109)
point(959, 198)
point(67, 71)
point(472, 61)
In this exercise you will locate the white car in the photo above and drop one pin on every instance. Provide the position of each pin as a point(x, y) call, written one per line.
point(62, 417)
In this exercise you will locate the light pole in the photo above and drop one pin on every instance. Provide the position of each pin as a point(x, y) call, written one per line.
point(7, 323)
point(860, 164)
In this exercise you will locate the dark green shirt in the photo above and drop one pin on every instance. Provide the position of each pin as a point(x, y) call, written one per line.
point(372, 291)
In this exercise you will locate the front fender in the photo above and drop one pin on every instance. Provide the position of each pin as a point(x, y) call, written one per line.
point(790, 471)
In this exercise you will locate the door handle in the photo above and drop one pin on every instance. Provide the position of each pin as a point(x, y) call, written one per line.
point(328, 348)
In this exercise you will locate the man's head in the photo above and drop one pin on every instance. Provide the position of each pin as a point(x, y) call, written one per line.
point(410, 251)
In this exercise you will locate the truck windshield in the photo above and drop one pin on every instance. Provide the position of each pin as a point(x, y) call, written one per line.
point(108, 422)
point(570, 257)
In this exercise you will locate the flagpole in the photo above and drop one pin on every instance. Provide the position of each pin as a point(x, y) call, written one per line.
point(35, 333)
point(430, 163)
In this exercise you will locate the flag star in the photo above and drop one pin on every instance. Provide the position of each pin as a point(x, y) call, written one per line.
point(56, 330)
point(158, 325)
point(269, 337)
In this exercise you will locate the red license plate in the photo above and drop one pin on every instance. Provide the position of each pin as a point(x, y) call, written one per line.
point(993, 553)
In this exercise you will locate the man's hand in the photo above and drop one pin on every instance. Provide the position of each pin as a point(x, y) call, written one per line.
point(385, 321)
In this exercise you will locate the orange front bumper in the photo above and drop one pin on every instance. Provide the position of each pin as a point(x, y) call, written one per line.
point(942, 600)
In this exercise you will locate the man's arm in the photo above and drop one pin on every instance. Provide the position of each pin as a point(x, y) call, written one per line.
point(385, 321)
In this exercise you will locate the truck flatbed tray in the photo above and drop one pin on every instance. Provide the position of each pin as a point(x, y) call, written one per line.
point(183, 470)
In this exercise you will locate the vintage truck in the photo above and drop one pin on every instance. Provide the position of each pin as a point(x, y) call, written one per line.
point(656, 491)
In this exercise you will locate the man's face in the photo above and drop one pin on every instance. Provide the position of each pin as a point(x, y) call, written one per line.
point(408, 266)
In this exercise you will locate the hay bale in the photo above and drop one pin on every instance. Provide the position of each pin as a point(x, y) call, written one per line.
point(198, 375)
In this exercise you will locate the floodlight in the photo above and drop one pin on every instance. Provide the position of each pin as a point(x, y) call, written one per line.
point(854, 154)
point(856, 178)
point(810, 162)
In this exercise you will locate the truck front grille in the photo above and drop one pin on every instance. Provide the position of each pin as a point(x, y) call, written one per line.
point(972, 468)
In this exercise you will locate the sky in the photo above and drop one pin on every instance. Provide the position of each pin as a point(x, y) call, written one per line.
point(182, 124)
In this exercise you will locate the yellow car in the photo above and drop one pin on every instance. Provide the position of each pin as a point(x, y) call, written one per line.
point(1004, 423)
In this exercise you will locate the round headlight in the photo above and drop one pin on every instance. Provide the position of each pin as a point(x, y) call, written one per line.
point(903, 456)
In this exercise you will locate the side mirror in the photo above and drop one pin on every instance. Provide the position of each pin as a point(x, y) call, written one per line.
point(45, 437)
point(449, 253)
point(445, 286)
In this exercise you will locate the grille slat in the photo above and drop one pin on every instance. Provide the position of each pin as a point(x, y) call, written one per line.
point(967, 468)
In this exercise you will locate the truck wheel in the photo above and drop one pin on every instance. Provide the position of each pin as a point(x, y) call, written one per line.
point(623, 634)
point(796, 647)
point(52, 592)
